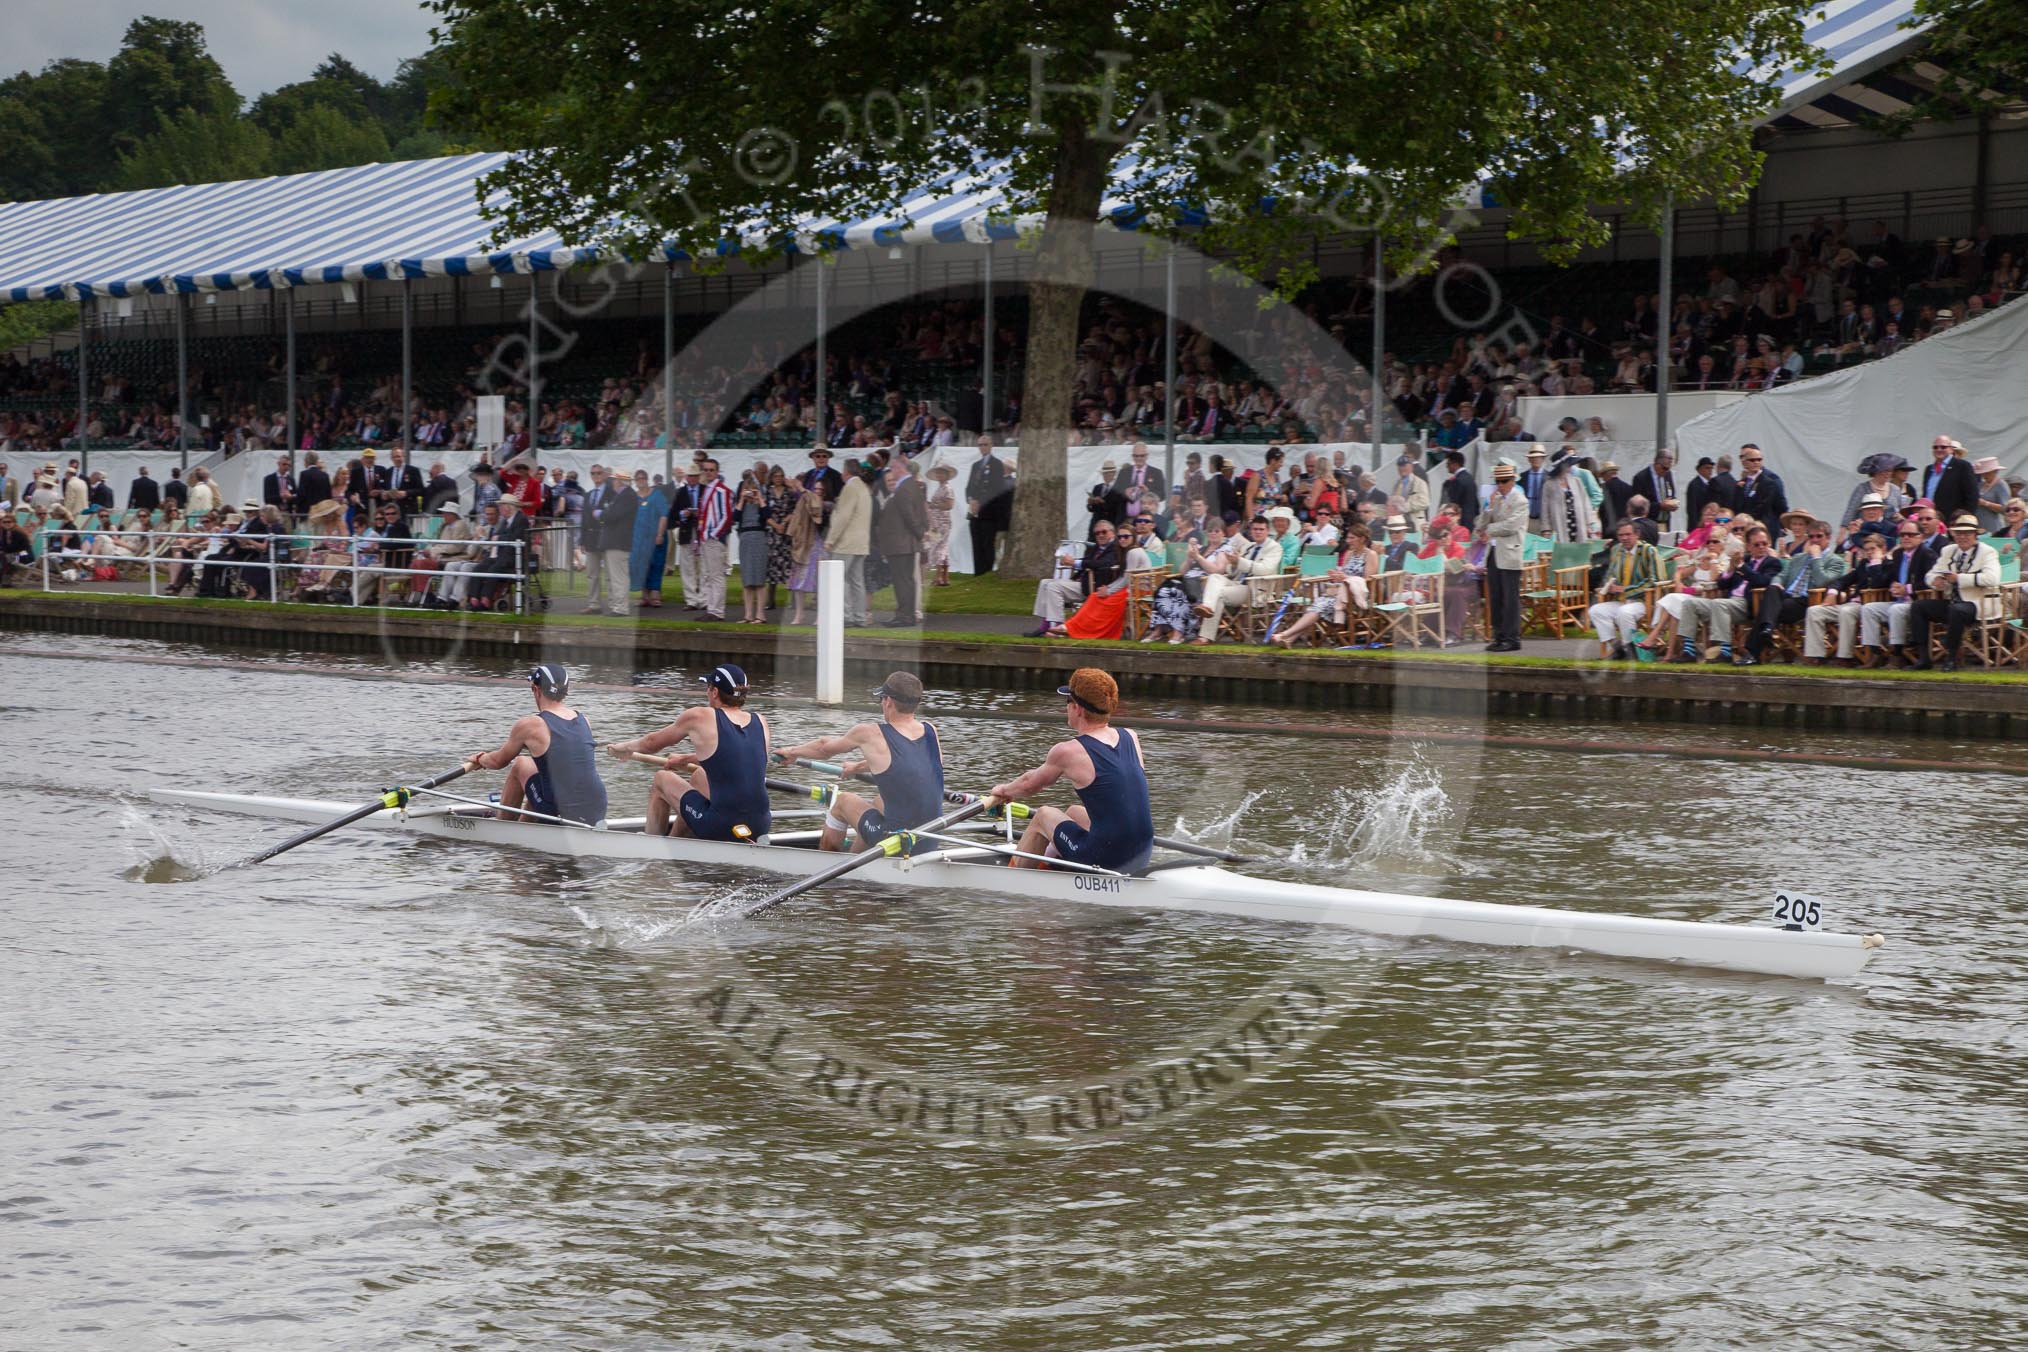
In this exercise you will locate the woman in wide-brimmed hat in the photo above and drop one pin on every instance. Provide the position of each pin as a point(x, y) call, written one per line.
point(936, 541)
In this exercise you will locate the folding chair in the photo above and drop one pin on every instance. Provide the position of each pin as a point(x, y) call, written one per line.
point(1141, 585)
point(1247, 622)
point(1412, 607)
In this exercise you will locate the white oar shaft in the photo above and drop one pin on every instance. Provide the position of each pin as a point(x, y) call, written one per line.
point(1009, 852)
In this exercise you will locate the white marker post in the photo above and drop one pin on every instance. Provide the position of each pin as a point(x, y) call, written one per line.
point(831, 631)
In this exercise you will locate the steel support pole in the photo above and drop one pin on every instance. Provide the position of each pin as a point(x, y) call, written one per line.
point(1377, 416)
point(669, 377)
point(1169, 367)
point(534, 365)
point(407, 367)
point(986, 334)
point(823, 406)
point(289, 357)
point(84, 385)
point(183, 380)
point(1663, 304)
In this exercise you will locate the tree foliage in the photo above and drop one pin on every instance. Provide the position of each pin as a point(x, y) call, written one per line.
point(675, 119)
point(28, 320)
point(195, 147)
point(324, 138)
point(1981, 45)
point(152, 114)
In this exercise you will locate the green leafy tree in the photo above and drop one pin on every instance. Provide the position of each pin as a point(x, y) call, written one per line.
point(1981, 45)
point(28, 320)
point(669, 119)
point(324, 138)
point(52, 124)
point(162, 69)
point(194, 147)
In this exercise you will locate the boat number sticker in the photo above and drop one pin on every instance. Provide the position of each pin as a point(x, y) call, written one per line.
point(1092, 882)
point(1796, 911)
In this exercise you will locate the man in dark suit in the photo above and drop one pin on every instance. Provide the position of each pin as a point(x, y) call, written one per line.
point(1760, 494)
point(503, 558)
point(144, 494)
point(685, 499)
point(313, 485)
point(989, 502)
point(609, 511)
point(1948, 480)
point(1460, 489)
point(176, 493)
point(1657, 483)
point(399, 482)
point(279, 489)
point(897, 537)
point(1142, 485)
point(1618, 493)
point(442, 488)
point(1698, 492)
point(821, 477)
point(100, 493)
point(361, 479)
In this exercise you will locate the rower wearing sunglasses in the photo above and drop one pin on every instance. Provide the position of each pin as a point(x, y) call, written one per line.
point(903, 758)
point(1113, 826)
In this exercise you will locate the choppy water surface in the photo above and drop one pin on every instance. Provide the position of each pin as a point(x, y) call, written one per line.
point(389, 1091)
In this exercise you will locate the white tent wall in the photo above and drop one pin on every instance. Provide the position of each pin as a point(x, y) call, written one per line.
point(1967, 382)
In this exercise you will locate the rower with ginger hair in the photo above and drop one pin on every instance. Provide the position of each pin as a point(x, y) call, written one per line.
point(1113, 826)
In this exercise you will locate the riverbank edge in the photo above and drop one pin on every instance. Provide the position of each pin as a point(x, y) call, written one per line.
point(1457, 684)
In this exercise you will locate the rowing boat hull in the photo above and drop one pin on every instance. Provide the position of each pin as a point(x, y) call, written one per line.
point(1203, 889)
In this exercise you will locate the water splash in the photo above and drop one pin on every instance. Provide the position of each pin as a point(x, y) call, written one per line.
point(1402, 824)
point(155, 857)
point(1219, 832)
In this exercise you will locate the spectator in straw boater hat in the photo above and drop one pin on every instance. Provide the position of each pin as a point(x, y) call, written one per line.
point(1504, 526)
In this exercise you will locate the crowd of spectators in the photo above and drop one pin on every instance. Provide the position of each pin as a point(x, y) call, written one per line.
point(1220, 556)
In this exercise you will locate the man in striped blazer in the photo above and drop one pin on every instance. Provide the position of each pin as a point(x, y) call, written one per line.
point(714, 527)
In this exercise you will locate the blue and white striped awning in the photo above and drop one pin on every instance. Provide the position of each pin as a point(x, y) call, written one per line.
point(423, 218)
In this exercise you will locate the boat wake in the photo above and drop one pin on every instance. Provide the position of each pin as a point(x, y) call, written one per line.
point(156, 858)
point(634, 931)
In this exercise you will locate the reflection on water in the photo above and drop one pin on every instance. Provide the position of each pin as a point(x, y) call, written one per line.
point(388, 1090)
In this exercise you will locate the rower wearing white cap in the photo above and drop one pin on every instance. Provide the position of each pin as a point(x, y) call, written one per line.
point(903, 758)
point(725, 796)
point(549, 755)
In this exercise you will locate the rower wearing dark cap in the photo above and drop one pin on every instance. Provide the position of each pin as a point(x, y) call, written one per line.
point(725, 796)
point(1114, 827)
point(550, 757)
point(903, 758)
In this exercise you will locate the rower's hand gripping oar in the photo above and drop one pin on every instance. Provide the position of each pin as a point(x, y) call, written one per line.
point(889, 846)
point(392, 798)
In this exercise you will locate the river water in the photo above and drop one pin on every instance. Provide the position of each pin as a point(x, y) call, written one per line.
point(391, 1091)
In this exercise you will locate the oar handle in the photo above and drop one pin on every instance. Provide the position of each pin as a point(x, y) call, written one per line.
point(838, 768)
point(1204, 851)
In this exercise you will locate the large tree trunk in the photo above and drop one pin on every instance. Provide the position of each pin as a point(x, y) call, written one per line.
point(1063, 273)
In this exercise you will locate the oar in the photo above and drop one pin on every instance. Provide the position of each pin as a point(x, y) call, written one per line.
point(1018, 811)
point(392, 798)
point(891, 845)
point(823, 767)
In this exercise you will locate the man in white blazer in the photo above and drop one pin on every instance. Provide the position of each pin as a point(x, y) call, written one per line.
point(1966, 579)
point(1505, 527)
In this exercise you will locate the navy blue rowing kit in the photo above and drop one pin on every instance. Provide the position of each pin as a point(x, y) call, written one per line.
point(1122, 831)
point(911, 787)
point(737, 771)
point(566, 781)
